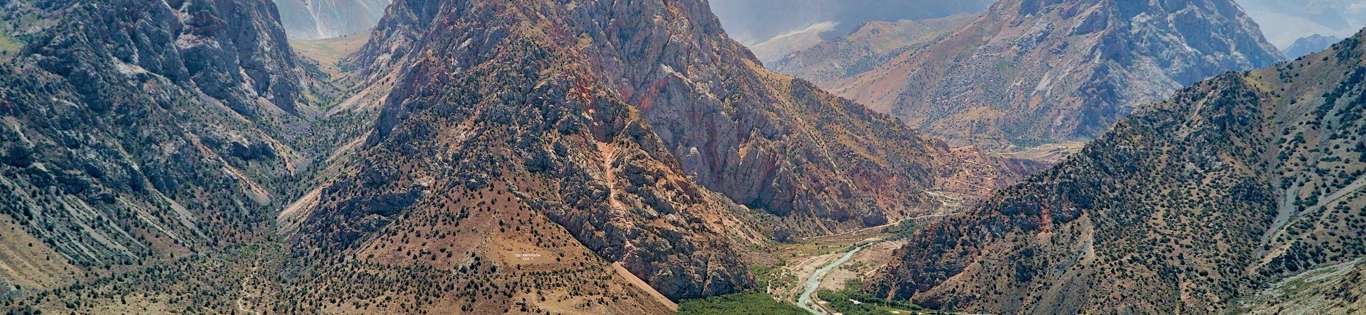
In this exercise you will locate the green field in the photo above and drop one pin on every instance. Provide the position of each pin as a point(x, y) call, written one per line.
point(740, 303)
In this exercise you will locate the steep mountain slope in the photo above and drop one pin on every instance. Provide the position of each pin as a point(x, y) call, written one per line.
point(499, 154)
point(1231, 185)
point(318, 19)
point(1030, 72)
point(762, 139)
point(829, 63)
point(136, 131)
point(1308, 45)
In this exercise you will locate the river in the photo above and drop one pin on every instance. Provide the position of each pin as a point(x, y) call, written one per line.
point(813, 282)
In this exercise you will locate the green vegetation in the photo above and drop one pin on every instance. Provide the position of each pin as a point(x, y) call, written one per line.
point(763, 274)
point(739, 303)
point(842, 301)
point(902, 229)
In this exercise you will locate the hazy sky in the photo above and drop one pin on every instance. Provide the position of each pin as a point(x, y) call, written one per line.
point(1283, 21)
point(752, 21)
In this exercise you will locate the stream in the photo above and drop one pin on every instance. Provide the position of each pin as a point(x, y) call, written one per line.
point(813, 282)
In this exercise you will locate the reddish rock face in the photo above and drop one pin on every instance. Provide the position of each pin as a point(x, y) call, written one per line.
point(762, 139)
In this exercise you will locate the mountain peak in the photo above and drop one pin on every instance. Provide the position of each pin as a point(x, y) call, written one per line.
point(747, 133)
point(1035, 71)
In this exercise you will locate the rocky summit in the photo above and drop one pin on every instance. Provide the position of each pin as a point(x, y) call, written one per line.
point(1029, 72)
point(1208, 202)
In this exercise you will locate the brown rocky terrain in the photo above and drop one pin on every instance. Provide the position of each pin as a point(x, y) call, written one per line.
point(503, 108)
point(1234, 184)
point(1030, 72)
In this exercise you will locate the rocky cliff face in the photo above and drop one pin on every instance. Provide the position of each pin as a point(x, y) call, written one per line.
point(762, 139)
point(318, 19)
point(142, 130)
point(1229, 186)
point(1030, 72)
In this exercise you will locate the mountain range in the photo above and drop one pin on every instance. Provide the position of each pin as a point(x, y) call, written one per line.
point(613, 157)
point(1308, 45)
point(537, 144)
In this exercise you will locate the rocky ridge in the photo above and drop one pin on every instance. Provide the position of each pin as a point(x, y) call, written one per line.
point(1234, 183)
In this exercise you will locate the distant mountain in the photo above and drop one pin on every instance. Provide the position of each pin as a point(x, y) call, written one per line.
point(1030, 72)
point(1284, 21)
point(1308, 45)
point(779, 46)
point(774, 28)
point(828, 63)
point(318, 19)
point(1207, 202)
